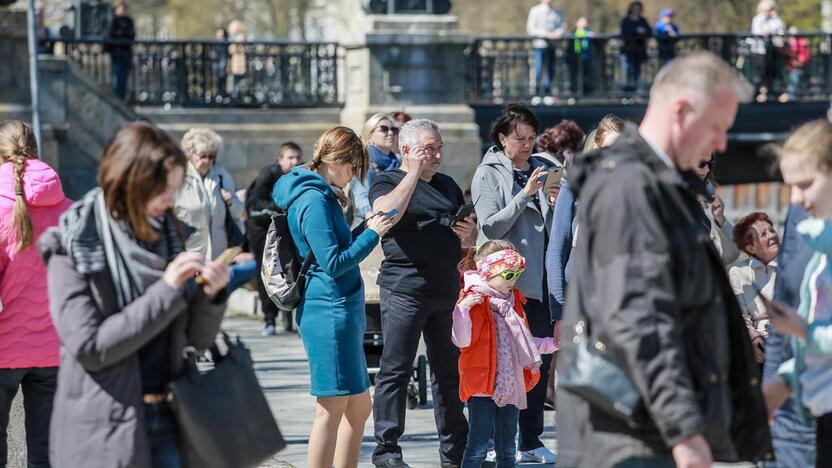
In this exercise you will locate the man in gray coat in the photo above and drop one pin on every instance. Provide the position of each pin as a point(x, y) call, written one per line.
point(652, 292)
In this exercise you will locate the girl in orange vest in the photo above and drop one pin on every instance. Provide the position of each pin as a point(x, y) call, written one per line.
point(500, 359)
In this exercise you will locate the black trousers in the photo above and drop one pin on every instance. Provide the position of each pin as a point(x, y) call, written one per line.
point(256, 235)
point(38, 391)
point(823, 443)
point(531, 418)
point(403, 320)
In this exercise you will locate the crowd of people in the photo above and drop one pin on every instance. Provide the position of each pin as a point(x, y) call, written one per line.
point(777, 55)
point(610, 248)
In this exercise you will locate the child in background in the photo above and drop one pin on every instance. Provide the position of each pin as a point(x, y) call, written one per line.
point(500, 359)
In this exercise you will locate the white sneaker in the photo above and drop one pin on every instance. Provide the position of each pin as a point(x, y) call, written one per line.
point(538, 455)
point(491, 456)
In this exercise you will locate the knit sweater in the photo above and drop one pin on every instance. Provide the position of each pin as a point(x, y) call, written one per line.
point(27, 335)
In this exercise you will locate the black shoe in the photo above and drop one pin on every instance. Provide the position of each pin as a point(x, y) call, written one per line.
point(453, 465)
point(392, 463)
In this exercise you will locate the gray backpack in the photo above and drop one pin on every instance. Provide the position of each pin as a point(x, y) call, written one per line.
point(283, 275)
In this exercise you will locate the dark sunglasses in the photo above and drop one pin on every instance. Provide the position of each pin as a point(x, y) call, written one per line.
point(386, 129)
point(509, 275)
point(708, 164)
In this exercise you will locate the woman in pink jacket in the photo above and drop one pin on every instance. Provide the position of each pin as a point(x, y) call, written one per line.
point(31, 200)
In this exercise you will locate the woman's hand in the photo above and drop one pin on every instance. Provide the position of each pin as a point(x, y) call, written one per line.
point(215, 276)
point(243, 258)
point(183, 267)
point(758, 345)
point(470, 301)
point(226, 196)
point(785, 319)
point(380, 223)
point(775, 394)
point(536, 181)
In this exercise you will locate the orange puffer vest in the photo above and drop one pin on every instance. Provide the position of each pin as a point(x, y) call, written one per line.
point(478, 361)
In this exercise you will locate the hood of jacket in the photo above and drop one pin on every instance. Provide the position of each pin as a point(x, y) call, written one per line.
point(293, 185)
point(41, 184)
point(630, 146)
point(817, 233)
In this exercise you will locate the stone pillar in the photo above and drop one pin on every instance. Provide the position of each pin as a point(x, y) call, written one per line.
point(416, 64)
point(14, 55)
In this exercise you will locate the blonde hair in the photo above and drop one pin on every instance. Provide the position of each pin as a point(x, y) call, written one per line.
point(812, 141)
point(765, 5)
point(340, 145)
point(201, 140)
point(702, 72)
point(475, 254)
point(372, 123)
point(17, 144)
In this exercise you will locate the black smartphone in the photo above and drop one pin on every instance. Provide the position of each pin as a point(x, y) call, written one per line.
point(464, 211)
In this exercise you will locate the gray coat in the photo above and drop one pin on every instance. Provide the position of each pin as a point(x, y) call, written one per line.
point(504, 211)
point(97, 416)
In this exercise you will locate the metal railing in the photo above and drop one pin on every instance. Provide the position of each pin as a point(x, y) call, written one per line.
point(217, 73)
point(594, 69)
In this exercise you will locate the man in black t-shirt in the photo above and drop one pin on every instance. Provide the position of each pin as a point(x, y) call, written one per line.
point(419, 284)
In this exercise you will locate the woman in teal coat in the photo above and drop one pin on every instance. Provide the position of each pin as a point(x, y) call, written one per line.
point(331, 316)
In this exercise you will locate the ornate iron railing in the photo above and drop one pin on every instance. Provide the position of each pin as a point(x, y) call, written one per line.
point(216, 73)
point(594, 70)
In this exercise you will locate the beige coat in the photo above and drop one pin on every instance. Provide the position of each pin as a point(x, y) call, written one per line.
point(199, 204)
point(747, 276)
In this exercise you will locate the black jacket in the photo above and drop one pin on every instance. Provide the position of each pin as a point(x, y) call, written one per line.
point(123, 33)
point(655, 292)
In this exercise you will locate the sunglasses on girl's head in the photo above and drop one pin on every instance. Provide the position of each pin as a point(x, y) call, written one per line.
point(510, 275)
point(386, 129)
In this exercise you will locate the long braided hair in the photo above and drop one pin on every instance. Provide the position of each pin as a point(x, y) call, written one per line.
point(17, 144)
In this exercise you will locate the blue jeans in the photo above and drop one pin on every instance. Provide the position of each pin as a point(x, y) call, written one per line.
point(163, 435)
point(120, 68)
point(631, 68)
point(544, 56)
point(38, 385)
point(794, 82)
point(241, 273)
point(484, 419)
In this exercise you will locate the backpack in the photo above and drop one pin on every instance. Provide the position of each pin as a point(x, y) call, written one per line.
point(283, 275)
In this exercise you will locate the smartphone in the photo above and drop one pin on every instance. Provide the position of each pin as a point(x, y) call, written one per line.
point(464, 211)
point(392, 213)
point(226, 257)
point(553, 179)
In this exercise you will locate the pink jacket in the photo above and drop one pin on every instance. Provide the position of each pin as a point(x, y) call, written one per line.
point(27, 336)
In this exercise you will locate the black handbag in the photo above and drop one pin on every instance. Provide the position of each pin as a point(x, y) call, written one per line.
point(597, 380)
point(233, 234)
point(224, 419)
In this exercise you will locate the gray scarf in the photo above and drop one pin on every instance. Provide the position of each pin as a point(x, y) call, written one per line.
point(96, 242)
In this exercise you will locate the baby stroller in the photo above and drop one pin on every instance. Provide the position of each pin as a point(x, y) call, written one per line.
point(417, 388)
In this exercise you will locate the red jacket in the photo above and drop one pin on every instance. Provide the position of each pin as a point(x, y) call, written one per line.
point(478, 361)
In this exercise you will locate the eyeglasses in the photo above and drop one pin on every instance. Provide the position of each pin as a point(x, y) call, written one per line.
point(709, 164)
point(386, 129)
point(510, 275)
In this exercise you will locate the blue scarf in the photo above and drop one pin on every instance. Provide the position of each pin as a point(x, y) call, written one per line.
point(383, 162)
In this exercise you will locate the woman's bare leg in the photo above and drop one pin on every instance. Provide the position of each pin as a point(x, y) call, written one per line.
point(351, 430)
point(322, 440)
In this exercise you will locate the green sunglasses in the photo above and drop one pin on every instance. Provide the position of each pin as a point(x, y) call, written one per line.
point(510, 275)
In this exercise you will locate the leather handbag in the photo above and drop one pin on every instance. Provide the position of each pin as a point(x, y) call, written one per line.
point(224, 418)
point(594, 378)
point(233, 234)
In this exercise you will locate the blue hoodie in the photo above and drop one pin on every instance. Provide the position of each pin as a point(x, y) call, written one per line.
point(316, 221)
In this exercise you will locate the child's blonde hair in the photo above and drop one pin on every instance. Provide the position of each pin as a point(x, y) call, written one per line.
point(475, 254)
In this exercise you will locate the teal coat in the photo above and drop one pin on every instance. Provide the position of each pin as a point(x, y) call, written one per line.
point(331, 316)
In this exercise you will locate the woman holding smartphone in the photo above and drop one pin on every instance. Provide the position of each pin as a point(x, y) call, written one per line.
point(806, 165)
point(125, 307)
point(331, 316)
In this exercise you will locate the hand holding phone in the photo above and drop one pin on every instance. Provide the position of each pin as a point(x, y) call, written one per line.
point(464, 211)
point(225, 258)
point(553, 178)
